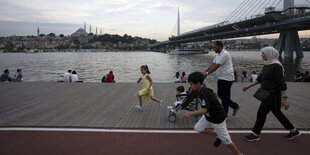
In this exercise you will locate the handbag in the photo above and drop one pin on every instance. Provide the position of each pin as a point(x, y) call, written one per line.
point(262, 94)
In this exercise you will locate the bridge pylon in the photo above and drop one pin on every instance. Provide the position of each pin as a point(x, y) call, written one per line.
point(289, 42)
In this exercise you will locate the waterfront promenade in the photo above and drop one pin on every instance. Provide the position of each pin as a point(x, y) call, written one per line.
point(112, 105)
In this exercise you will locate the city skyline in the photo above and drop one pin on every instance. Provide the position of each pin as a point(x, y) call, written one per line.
point(144, 18)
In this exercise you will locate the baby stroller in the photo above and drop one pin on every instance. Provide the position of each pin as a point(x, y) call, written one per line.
point(191, 103)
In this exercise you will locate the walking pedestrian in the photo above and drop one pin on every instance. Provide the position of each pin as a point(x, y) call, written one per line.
point(272, 81)
point(223, 66)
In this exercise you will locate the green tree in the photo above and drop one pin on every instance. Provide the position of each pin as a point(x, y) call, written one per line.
point(52, 34)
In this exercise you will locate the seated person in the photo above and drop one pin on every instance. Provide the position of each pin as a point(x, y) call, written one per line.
point(5, 77)
point(67, 76)
point(298, 76)
point(18, 76)
point(110, 77)
point(177, 78)
point(74, 77)
point(180, 99)
point(306, 77)
point(183, 78)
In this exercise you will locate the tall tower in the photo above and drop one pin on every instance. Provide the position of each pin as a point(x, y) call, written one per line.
point(100, 31)
point(38, 31)
point(89, 28)
point(178, 22)
point(96, 31)
point(85, 26)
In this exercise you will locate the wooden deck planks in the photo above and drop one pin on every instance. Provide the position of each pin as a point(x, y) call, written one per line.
point(113, 105)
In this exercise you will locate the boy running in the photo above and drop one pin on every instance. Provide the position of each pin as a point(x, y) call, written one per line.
point(213, 113)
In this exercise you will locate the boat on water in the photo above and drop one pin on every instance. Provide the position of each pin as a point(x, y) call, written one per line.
point(187, 51)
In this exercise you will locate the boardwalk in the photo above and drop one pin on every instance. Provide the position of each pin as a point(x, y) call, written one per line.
point(112, 105)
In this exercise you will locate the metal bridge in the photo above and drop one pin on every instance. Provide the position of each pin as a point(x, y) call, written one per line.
point(287, 22)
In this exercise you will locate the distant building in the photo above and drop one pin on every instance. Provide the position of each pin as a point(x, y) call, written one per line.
point(80, 33)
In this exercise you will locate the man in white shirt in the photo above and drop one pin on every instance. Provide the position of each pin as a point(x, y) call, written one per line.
point(67, 76)
point(223, 66)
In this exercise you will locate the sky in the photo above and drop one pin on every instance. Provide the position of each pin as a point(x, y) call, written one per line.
point(154, 19)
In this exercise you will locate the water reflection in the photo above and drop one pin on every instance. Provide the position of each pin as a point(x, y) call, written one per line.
point(92, 66)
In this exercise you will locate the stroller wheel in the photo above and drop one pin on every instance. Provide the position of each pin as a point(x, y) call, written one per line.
point(172, 117)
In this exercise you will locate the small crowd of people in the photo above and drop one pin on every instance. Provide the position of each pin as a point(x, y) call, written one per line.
point(71, 76)
point(245, 77)
point(180, 78)
point(302, 77)
point(214, 112)
point(6, 77)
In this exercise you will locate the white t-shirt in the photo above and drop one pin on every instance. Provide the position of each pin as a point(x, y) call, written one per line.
point(74, 78)
point(176, 80)
point(254, 77)
point(67, 77)
point(225, 71)
point(180, 101)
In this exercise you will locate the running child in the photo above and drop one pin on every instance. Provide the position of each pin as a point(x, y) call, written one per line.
point(147, 90)
point(213, 113)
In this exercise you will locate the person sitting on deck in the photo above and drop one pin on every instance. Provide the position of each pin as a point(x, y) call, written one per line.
point(110, 77)
point(67, 76)
point(74, 77)
point(5, 77)
point(306, 77)
point(18, 76)
point(177, 78)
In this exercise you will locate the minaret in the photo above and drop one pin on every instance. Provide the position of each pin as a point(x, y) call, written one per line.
point(178, 22)
point(85, 26)
point(96, 31)
point(38, 31)
point(90, 28)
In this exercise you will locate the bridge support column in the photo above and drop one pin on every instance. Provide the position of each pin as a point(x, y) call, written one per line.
point(289, 42)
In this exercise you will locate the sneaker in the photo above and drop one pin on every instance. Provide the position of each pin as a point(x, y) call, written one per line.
point(138, 107)
point(217, 142)
point(236, 110)
point(251, 138)
point(292, 135)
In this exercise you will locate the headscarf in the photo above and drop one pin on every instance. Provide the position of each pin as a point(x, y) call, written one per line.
point(272, 56)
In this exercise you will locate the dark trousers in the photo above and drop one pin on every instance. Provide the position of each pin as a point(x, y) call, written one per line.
point(273, 104)
point(223, 91)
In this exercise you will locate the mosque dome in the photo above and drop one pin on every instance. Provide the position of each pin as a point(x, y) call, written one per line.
point(79, 33)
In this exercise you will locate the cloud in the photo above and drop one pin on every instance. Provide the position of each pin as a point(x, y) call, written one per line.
point(139, 17)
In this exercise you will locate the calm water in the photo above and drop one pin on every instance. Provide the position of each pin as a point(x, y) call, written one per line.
point(126, 65)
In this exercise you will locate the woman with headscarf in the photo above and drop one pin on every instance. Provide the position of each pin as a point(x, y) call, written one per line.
point(272, 80)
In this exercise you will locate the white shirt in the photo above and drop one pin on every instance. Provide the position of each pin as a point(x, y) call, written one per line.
point(254, 77)
point(74, 78)
point(225, 71)
point(67, 77)
point(176, 80)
